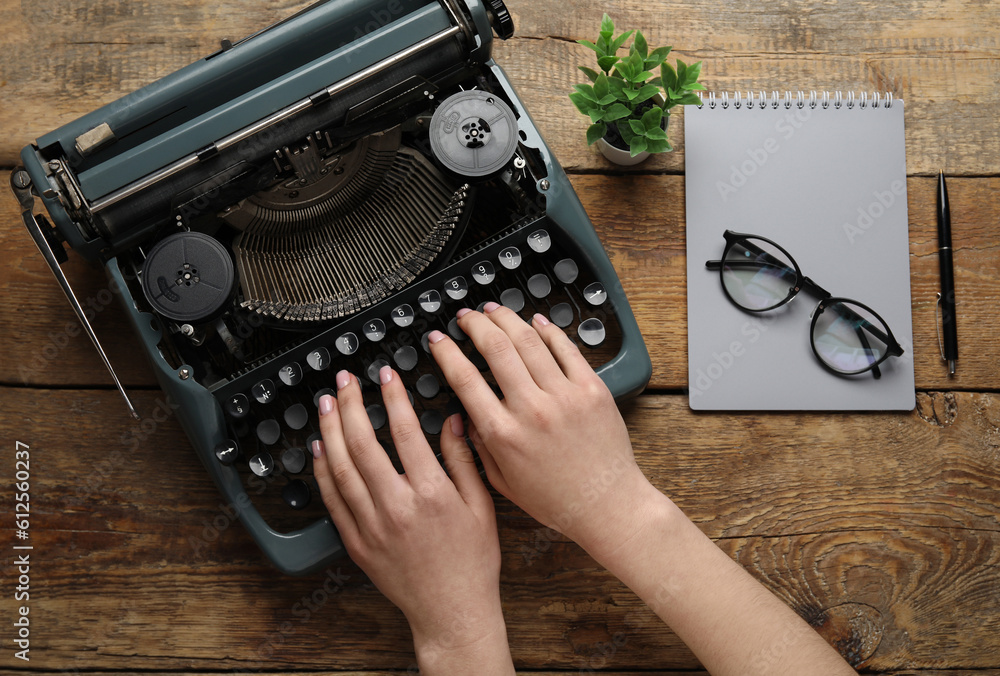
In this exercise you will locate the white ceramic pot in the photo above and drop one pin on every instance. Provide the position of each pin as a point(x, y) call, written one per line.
point(618, 156)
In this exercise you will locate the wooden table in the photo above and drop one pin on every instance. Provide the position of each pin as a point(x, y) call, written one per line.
point(880, 529)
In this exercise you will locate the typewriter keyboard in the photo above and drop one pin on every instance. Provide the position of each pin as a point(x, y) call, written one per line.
point(272, 410)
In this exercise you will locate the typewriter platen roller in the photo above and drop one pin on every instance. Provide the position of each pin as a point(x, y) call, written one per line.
point(320, 196)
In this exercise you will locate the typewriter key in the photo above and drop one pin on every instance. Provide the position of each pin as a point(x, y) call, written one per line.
point(456, 288)
point(296, 494)
point(238, 405)
point(188, 277)
point(374, 369)
point(262, 464)
point(513, 298)
point(296, 416)
point(291, 374)
point(539, 286)
point(293, 460)
point(561, 315)
point(539, 241)
point(428, 386)
point(430, 301)
point(591, 332)
point(268, 431)
point(406, 358)
point(263, 391)
point(227, 451)
point(483, 273)
point(566, 271)
point(595, 294)
point(431, 421)
point(375, 330)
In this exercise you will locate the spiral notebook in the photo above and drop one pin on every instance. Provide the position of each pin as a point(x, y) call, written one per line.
point(824, 176)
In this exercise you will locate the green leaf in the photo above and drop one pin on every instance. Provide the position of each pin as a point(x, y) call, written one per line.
point(657, 57)
point(596, 131)
point(641, 76)
point(669, 76)
point(693, 72)
point(617, 86)
point(626, 131)
point(656, 134)
point(651, 118)
point(694, 86)
point(640, 45)
point(630, 94)
point(582, 103)
point(638, 145)
point(616, 112)
point(658, 145)
point(601, 87)
point(635, 63)
point(637, 127)
point(602, 46)
point(589, 72)
point(690, 100)
point(607, 25)
point(588, 44)
point(681, 71)
point(587, 91)
point(646, 92)
point(620, 40)
point(606, 63)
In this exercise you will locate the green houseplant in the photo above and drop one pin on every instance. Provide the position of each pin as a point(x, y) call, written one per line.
point(628, 106)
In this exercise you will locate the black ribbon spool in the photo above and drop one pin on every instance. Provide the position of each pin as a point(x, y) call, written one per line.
point(188, 277)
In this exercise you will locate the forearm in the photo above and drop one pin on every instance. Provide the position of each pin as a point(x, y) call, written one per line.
point(730, 621)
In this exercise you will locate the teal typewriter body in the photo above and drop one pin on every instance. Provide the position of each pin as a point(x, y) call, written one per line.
point(321, 196)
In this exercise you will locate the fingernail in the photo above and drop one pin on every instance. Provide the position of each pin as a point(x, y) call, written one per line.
point(457, 428)
point(490, 307)
point(435, 337)
point(541, 320)
point(325, 404)
point(317, 449)
point(343, 379)
point(385, 375)
point(461, 313)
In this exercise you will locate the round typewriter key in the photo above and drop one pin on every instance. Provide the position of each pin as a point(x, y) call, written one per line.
point(595, 294)
point(483, 273)
point(348, 344)
point(375, 330)
point(539, 241)
point(263, 391)
point(591, 332)
point(238, 405)
point(296, 494)
point(268, 431)
point(296, 416)
point(425, 342)
point(227, 451)
point(321, 393)
point(262, 464)
point(510, 258)
point(373, 370)
point(566, 271)
point(561, 315)
point(513, 298)
point(539, 286)
point(377, 416)
point(406, 358)
point(319, 359)
point(432, 422)
point(430, 301)
point(402, 316)
point(291, 374)
point(293, 460)
point(456, 288)
point(428, 386)
point(456, 331)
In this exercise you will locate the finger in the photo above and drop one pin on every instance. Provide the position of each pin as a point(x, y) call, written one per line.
point(499, 352)
point(461, 465)
point(334, 502)
point(493, 473)
point(530, 347)
point(368, 455)
point(565, 351)
point(414, 452)
point(336, 464)
point(464, 378)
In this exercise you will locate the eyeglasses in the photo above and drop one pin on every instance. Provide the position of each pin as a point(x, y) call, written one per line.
point(847, 337)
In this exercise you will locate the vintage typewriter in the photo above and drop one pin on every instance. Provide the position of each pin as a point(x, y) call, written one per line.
point(321, 196)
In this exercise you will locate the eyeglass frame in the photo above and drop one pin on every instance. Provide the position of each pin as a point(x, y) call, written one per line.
point(893, 348)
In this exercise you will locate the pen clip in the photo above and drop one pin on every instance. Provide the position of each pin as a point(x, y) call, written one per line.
point(937, 323)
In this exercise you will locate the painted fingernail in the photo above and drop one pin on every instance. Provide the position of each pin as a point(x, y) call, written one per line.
point(325, 404)
point(317, 449)
point(385, 375)
point(461, 313)
point(490, 307)
point(343, 379)
point(457, 428)
point(541, 320)
point(435, 337)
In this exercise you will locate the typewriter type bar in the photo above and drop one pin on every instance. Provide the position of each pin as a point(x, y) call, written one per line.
point(321, 195)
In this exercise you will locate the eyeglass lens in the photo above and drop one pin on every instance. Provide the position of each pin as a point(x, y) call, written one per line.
point(757, 275)
point(847, 337)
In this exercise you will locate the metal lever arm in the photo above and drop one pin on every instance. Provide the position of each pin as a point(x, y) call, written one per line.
point(20, 184)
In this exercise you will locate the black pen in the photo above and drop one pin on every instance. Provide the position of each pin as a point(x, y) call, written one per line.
point(949, 346)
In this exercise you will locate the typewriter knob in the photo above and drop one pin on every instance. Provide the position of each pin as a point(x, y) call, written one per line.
point(500, 18)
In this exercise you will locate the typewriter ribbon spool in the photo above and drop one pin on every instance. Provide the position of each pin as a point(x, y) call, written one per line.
point(188, 277)
point(474, 134)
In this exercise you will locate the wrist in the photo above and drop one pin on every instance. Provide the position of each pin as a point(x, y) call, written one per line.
point(464, 643)
point(629, 524)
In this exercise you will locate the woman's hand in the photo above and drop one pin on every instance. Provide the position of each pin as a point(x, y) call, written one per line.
point(427, 541)
point(555, 444)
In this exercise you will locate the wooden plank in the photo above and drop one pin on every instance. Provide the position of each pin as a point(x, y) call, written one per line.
point(59, 64)
point(644, 237)
point(880, 529)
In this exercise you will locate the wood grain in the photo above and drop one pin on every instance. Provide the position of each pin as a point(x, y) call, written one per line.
point(878, 529)
point(645, 239)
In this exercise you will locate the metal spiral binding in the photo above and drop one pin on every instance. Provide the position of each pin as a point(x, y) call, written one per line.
point(798, 99)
